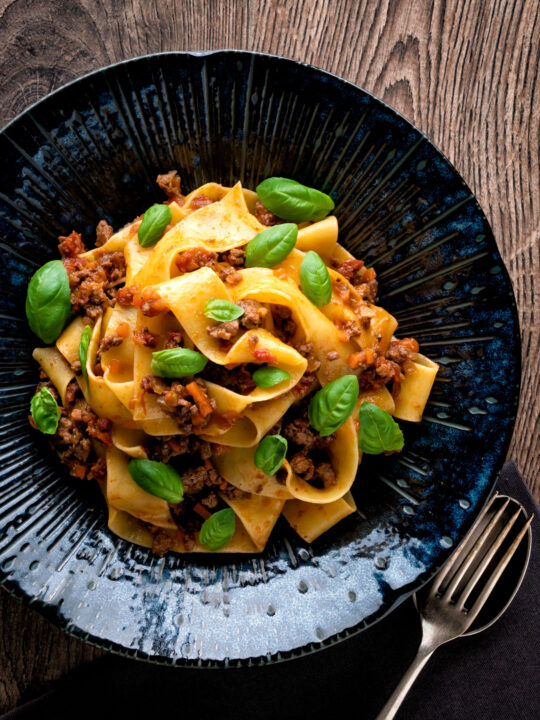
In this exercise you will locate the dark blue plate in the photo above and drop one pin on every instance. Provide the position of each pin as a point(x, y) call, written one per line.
point(92, 150)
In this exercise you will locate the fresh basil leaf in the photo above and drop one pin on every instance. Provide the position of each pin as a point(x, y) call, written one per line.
point(153, 225)
point(158, 479)
point(333, 404)
point(83, 350)
point(293, 201)
point(177, 362)
point(379, 432)
point(315, 279)
point(269, 376)
point(271, 246)
point(45, 411)
point(222, 310)
point(270, 454)
point(48, 301)
point(218, 529)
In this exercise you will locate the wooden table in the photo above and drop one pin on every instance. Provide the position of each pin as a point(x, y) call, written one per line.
point(463, 71)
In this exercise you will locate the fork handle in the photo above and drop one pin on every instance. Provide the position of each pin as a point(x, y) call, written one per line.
point(412, 672)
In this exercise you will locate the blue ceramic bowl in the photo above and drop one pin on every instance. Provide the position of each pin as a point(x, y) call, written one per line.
point(92, 150)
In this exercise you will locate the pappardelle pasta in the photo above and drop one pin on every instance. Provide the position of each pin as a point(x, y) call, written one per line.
point(218, 362)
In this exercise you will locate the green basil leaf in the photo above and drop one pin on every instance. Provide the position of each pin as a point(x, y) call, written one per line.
point(177, 362)
point(269, 376)
point(83, 350)
point(379, 432)
point(158, 479)
point(153, 225)
point(271, 246)
point(218, 529)
point(270, 454)
point(293, 201)
point(45, 411)
point(333, 404)
point(48, 301)
point(315, 279)
point(222, 310)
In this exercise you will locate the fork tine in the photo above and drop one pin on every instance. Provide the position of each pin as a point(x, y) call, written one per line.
point(488, 557)
point(481, 542)
point(463, 549)
point(497, 572)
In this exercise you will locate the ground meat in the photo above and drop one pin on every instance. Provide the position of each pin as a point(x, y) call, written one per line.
point(98, 471)
point(368, 291)
point(149, 302)
point(228, 274)
point(349, 329)
point(402, 350)
point(125, 295)
point(332, 355)
point(307, 383)
point(264, 216)
point(91, 281)
point(76, 427)
point(196, 258)
point(76, 366)
point(109, 341)
point(170, 184)
point(211, 500)
point(71, 392)
point(73, 444)
point(165, 447)
point(224, 331)
point(174, 339)
point(305, 349)
point(319, 473)
point(239, 379)
point(350, 269)
point(71, 245)
point(377, 370)
point(302, 466)
point(307, 451)
point(235, 257)
point(284, 325)
point(104, 232)
point(253, 317)
point(179, 401)
point(194, 479)
point(200, 201)
point(145, 337)
point(254, 314)
point(326, 473)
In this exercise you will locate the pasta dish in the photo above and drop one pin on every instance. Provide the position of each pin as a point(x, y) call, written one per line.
point(218, 362)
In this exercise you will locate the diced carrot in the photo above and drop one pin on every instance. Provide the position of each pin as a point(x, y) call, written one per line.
point(123, 330)
point(78, 470)
point(369, 356)
point(115, 366)
point(354, 359)
point(198, 394)
point(369, 274)
point(202, 511)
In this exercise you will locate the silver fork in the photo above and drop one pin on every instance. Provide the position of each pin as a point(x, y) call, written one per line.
point(451, 603)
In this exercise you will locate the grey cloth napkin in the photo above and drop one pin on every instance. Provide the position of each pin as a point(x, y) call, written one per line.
point(493, 675)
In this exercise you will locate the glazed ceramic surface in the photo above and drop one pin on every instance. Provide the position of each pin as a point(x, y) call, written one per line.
point(92, 150)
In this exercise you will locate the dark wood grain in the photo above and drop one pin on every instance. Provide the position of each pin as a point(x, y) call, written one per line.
point(466, 73)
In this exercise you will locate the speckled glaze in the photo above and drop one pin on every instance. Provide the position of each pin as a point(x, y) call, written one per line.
point(92, 150)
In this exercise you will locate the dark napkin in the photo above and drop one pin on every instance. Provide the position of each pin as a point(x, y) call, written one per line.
point(495, 674)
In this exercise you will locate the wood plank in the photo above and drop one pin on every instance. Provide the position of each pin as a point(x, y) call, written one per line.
point(465, 73)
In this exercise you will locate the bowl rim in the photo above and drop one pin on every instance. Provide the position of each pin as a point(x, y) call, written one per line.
point(51, 611)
